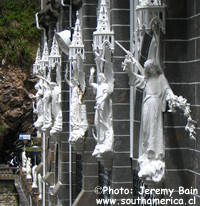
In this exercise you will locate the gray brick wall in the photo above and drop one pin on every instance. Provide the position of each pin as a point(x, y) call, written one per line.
point(182, 70)
point(121, 169)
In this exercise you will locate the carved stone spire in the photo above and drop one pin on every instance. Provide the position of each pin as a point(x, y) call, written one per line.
point(38, 55)
point(77, 37)
point(55, 49)
point(45, 58)
point(36, 65)
point(103, 33)
point(76, 46)
point(54, 56)
point(45, 53)
point(103, 23)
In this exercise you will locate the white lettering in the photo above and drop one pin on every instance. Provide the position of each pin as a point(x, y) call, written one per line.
point(171, 191)
point(192, 201)
point(181, 190)
point(142, 190)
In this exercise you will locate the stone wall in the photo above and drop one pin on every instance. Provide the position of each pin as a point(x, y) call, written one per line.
point(121, 168)
point(181, 46)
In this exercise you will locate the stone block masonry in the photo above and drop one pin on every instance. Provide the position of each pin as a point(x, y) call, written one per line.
point(182, 70)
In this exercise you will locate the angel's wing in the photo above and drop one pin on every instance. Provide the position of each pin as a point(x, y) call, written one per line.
point(154, 50)
point(81, 74)
point(75, 69)
point(108, 68)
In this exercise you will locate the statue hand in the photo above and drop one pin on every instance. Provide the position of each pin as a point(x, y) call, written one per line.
point(92, 71)
point(127, 62)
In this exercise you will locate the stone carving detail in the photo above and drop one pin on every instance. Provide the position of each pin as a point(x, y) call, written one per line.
point(34, 177)
point(156, 94)
point(38, 108)
point(150, 2)
point(103, 46)
point(48, 96)
point(178, 102)
point(36, 65)
point(55, 64)
point(38, 98)
point(46, 88)
point(150, 16)
point(78, 119)
point(103, 113)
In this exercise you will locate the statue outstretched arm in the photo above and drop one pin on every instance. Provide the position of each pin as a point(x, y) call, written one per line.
point(131, 58)
point(135, 79)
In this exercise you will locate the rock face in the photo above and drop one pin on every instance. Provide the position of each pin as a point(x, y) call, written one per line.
point(16, 115)
point(7, 193)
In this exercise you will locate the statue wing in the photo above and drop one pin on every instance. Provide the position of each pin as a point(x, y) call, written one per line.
point(154, 49)
point(81, 75)
point(108, 69)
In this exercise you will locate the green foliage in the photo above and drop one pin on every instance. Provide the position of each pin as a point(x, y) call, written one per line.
point(18, 35)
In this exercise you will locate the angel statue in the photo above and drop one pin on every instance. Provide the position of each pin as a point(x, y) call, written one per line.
point(157, 93)
point(78, 119)
point(38, 104)
point(46, 102)
point(56, 102)
point(103, 89)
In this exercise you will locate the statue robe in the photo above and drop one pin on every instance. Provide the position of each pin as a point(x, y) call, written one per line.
point(154, 104)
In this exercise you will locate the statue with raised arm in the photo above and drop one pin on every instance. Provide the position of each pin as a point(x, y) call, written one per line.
point(78, 119)
point(76, 94)
point(103, 113)
point(157, 93)
point(56, 102)
point(47, 103)
point(38, 105)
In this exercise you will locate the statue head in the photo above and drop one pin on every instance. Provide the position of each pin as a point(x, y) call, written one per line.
point(75, 81)
point(151, 69)
point(101, 78)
